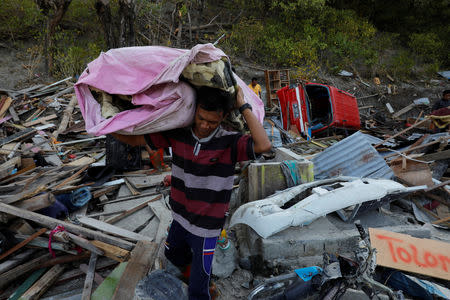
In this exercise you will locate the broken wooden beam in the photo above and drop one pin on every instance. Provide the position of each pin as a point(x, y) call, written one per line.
point(113, 252)
point(87, 289)
point(102, 226)
point(17, 136)
point(43, 284)
point(141, 260)
point(40, 120)
point(18, 271)
point(76, 229)
point(131, 211)
point(23, 243)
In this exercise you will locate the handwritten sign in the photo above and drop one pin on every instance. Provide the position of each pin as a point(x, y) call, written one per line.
point(404, 252)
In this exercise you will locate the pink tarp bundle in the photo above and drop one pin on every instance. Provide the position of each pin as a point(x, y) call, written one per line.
point(151, 75)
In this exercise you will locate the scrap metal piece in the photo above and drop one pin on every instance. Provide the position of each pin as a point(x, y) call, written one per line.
point(300, 205)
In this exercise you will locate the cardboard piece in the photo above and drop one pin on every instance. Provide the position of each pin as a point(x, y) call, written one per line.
point(407, 253)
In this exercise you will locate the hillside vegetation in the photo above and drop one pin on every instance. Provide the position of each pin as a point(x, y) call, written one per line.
point(405, 38)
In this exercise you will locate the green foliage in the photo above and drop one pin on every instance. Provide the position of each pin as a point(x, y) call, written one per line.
point(245, 37)
point(402, 64)
point(350, 38)
point(73, 60)
point(20, 19)
point(428, 46)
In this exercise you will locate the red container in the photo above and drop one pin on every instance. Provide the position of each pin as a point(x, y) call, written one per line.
point(314, 107)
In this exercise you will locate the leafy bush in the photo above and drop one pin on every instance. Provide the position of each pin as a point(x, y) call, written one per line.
point(20, 19)
point(73, 60)
point(402, 64)
point(427, 46)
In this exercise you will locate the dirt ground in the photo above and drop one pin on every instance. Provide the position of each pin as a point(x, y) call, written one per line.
point(18, 71)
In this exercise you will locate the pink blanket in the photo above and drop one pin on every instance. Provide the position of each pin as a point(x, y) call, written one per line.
point(151, 75)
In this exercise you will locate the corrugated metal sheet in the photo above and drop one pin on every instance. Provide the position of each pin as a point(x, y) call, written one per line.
point(353, 156)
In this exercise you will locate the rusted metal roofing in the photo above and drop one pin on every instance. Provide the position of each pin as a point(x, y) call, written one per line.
point(353, 156)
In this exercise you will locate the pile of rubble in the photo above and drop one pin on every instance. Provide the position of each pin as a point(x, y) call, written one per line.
point(86, 216)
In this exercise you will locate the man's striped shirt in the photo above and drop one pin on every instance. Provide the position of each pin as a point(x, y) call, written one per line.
point(202, 175)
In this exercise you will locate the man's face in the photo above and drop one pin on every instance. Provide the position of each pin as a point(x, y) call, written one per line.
point(205, 122)
point(447, 96)
point(254, 82)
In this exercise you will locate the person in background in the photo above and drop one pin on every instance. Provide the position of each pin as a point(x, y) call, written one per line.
point(204, 156)
point(255, 87)
point(444, 102)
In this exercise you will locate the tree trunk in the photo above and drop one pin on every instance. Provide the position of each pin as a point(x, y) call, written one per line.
point(126, 15)
point(104, 14)
point(53, 19)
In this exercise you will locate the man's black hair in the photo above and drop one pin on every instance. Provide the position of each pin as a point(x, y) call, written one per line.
point(445, 93)
point(254, 79)
point(212, 99)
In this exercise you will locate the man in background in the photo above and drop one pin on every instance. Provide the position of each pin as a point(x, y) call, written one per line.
point(255, 87)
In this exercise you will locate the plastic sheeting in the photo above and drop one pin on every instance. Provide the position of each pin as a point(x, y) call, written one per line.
point(151, 75)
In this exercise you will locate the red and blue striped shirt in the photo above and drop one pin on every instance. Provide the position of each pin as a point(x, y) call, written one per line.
point(202, 175)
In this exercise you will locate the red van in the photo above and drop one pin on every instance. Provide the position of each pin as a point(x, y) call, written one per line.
point(315, 107)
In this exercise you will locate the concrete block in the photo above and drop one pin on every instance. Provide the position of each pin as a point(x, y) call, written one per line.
point(315, 239)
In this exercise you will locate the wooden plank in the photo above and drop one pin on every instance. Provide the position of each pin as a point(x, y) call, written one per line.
point(27, 284)
point(8, 166)
point(42, 242)
point(16, 260)
point(131, 211)
point(404, 110)
point(13, 114)
point(52, 223)
point(40, 120)
point(97, 278)
point(113, 252)
point(102, 226)
point(83, 243)
point(104, 191)
point(66, 117)
point(18, 271)
point(141, 260)
point(102, 263)
point(23, 243)
point(8, 148)
point(85, 160)
point(107, 288)
point(407, 253)
point(436, 156)
point(5, 106)
point(401, 132)
point(65, 181)
point(43, 284)
point(17, 136)
point(36, 202)
point(148, 181)
point(440, 185)
point(87, 289)
point(165, 218)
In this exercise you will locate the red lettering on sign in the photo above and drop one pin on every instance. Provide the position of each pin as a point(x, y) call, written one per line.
point(427, 257)
point(445, 260)
point(391, 246)
point(430, 260)
point(404, 255)
point(416, 260)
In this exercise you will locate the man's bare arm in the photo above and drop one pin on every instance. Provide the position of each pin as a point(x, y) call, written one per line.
point(259, 135)
point(132, 140)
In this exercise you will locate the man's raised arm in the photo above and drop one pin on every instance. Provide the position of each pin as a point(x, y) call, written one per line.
point(259, 135)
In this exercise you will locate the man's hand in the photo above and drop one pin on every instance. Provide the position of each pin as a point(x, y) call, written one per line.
point(239, 98)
